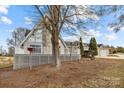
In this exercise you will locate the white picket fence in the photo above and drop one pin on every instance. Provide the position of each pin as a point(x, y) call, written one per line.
point(26, 60)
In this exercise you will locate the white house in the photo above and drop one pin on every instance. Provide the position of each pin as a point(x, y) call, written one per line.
point(40, 41)
point(103, 50)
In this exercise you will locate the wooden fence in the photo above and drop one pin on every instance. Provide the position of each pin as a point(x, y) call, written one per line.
point(26, 60)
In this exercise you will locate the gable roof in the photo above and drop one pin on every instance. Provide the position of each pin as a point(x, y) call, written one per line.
point(74, 43)
point(36, 27)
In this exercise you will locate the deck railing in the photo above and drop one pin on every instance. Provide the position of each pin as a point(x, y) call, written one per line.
point(26, 60)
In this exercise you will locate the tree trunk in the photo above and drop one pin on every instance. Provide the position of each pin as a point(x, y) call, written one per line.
point(55, 48)
point(57, 57)
point(55, 11)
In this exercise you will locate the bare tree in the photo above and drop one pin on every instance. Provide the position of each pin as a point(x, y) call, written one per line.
point(56, 19)
point(17, 36)
point(115, 11)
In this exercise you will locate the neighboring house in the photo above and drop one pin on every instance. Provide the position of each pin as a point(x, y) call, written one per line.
point(73, 47)
point(102, 49)
point(86, 46)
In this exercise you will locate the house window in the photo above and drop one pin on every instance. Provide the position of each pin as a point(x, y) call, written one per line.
point(36, 49)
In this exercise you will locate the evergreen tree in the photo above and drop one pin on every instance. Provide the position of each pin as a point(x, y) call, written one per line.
point(81, 48)
point(93, 46)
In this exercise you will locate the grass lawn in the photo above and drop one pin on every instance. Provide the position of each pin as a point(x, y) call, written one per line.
point(86, 73)
point(5, 62)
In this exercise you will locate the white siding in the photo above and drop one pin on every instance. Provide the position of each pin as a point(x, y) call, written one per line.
point(36, 39)
point(19, 50)
point(86, 48)
point(103, 52)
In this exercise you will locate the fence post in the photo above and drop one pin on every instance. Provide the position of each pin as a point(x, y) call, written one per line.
point(30, 62)
point(48, 58)
point(14, 62)
point(39, 59)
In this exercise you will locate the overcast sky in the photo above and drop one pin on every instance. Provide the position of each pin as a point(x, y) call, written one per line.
point(12, 17)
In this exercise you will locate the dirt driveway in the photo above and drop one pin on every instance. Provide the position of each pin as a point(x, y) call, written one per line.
point(86, 73)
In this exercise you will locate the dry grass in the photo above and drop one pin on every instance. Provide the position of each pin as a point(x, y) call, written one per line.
point(5, 62)
point(86, 73)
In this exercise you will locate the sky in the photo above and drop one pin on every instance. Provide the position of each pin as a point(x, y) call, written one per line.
point(12, 17)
